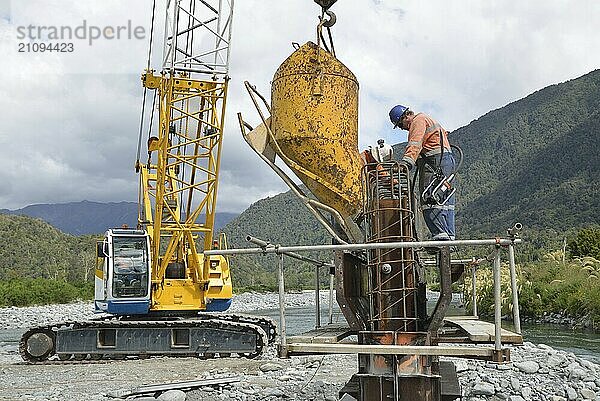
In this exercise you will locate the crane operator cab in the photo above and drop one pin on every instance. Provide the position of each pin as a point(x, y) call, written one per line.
point(122, 282)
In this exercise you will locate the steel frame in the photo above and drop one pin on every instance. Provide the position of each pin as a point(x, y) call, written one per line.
point(389, 218)
point(187, 22)
point(178, 184)
point(497, 353)
point(187, 163)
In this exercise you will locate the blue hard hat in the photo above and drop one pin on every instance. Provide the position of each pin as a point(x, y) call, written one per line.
point(396, 114)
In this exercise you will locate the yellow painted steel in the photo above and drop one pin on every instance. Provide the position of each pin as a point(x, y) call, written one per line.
point(178, 192)
point(314, 118)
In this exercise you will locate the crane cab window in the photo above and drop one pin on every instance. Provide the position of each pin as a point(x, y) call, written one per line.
point(130, 267)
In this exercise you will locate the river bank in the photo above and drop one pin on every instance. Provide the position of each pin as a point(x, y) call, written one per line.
point(537, 371)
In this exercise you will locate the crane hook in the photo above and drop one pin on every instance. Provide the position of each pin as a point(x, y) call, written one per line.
point(328, 23)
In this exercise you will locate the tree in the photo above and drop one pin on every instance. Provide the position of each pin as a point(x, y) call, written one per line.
point(586, 242)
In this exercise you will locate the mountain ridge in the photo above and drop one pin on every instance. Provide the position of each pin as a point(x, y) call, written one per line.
point(90, 217)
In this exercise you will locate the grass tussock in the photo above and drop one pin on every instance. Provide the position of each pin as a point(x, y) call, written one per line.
point(571, 288)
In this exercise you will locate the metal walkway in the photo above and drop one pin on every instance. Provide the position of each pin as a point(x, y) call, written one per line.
point(479, 331)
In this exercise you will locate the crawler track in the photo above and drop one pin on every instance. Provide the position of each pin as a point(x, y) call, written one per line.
point(93, 341)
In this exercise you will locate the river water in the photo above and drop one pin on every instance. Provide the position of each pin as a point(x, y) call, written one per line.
point(583, 343)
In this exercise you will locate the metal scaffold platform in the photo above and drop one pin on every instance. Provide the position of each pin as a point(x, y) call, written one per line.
point(456, 329)
point(475, 331)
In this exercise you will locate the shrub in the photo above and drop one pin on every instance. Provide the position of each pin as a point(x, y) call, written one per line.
point(485, 290)
point(548, 286)
point(586, 242)
point(38, 291)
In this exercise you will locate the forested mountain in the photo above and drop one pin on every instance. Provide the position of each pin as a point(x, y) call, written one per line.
point(78, 218)
point(281, 219)
point(535, 160)
point(33, 248)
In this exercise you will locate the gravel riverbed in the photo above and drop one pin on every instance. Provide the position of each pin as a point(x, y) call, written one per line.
point(536, 372)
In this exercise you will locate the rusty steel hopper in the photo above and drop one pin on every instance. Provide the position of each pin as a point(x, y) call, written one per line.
point(314, 119)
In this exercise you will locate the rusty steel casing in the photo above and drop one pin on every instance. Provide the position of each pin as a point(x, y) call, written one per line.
point(314, 118)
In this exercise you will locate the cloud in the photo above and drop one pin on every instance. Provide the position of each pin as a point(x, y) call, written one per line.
point(70, 121)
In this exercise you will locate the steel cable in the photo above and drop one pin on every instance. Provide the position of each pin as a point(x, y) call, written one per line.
point(139, 145)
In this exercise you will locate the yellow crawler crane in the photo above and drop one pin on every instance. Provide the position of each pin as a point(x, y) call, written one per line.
point(155, 282)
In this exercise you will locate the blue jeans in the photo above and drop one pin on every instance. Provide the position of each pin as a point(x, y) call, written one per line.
point(439, 218)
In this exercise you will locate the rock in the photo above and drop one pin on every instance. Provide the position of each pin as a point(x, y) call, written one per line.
point(554, 361)
point(577, 373)
point(273, 392)
point(515, 383)
point(483, 389)
point(461, 366)
point(526, 393)
point(588, 394)
point(284, 378)
point(270, 367)
point(172, 395)
point(571, 393)
point(557, 398)
point(515, 398)
point(529, 367)
point(591, 385)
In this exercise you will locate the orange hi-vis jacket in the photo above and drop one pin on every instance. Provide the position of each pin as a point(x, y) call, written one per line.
point(424, 138)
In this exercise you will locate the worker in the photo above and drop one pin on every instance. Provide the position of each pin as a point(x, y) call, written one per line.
point(424, 150)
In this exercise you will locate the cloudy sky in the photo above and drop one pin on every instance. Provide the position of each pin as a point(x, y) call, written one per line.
point(69, 121)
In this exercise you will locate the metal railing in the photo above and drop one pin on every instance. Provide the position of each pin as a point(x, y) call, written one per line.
point(498, 243)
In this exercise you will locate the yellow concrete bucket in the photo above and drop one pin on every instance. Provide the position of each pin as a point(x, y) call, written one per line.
point(314, 118)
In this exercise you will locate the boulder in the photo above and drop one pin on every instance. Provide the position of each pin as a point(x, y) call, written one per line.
point(483, 389)
point(588, 394)
point(172, 395)
point(528, 367)
point(515, 383)
point(571, 393)
point(270, 367)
